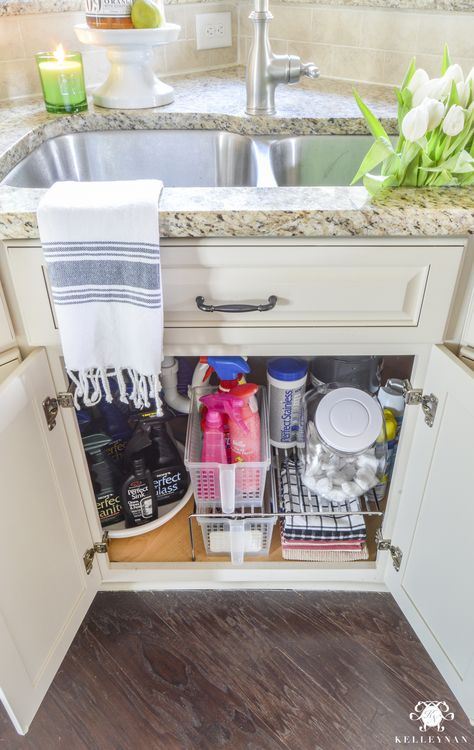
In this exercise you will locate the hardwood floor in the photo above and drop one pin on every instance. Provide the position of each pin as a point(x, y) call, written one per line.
point(250, 670)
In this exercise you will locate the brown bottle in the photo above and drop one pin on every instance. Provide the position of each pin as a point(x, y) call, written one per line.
point(109, 14)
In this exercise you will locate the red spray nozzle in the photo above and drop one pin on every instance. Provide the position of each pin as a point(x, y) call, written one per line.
point(246, 392)
point(223, 403)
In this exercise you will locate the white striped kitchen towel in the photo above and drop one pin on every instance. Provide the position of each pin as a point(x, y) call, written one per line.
point(101, 245)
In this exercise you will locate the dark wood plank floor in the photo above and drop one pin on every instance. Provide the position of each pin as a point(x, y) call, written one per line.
point(238, 670)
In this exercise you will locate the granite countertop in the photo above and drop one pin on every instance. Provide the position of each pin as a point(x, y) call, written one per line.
point(216, 100)
point(20, 7)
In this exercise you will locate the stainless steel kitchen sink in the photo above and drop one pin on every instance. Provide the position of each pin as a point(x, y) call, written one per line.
point(181, 158)
point(317, 159)
point(192, 158)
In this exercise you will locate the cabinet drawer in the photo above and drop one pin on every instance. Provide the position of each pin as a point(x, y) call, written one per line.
point(318, 286)
point(314, 286)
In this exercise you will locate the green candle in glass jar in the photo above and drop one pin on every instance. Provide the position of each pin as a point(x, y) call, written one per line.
point(62, 80)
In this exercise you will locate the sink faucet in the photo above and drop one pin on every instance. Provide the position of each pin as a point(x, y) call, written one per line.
point(265, 70)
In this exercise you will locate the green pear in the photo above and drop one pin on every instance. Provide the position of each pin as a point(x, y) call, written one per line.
point(146, 15)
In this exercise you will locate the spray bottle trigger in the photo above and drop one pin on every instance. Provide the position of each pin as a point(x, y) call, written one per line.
point(227, 404)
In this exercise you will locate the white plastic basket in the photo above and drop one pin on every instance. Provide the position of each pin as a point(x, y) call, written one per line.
point(238, 537)
point(225, 486)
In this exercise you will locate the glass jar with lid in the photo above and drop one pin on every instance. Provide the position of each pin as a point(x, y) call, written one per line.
point(345, 452)
point(109, 14)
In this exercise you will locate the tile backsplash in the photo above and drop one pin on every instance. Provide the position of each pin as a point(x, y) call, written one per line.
point(365, 44)
point(355, 43)
point(21, 36)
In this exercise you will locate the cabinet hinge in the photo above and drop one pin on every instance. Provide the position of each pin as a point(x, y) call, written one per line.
point(416, 397)
point(467, 352)
point(99, 548)
point(386, 545)
point(52, 404)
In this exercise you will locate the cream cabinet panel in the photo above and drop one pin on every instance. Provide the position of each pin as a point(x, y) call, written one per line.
point(9, 361)
point(31, 285)
point(404, 288)
point(7, 336)
point(435, 527)
point(468, 333)
point(44, 589)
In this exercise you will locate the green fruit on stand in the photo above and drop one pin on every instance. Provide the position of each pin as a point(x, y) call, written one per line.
point(146, 15)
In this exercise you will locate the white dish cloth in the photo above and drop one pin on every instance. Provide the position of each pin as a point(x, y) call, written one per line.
point(102, 249)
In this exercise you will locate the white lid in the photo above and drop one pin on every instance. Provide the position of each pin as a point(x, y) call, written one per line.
point(349, 420)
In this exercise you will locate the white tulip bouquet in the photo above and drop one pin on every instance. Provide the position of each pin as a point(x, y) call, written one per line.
point(436, 143)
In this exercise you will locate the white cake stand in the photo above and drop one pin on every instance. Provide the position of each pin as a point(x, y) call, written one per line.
point(132, 83)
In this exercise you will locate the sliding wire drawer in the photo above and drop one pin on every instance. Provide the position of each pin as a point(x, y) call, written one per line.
point(247, 533)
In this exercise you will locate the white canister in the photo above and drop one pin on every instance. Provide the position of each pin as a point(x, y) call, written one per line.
point(393, 400)
point(286, 388)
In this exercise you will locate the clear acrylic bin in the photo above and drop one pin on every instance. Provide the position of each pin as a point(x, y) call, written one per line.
point(225, 486)
point(237, 537)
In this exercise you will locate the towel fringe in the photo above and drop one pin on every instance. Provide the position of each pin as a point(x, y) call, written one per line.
point(92, 385)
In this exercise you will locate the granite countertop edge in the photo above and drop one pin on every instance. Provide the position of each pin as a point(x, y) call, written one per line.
point(213, 100)
point(28, 7)
point(290, 212)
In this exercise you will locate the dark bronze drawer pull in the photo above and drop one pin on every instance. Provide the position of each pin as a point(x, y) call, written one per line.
point(272, 300)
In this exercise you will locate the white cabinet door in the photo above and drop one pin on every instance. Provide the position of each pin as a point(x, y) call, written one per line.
point(44, 589)
point(435, 528)
point(9, 361)
point(7, 336)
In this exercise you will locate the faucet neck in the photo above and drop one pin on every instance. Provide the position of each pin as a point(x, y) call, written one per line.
point(265, 70)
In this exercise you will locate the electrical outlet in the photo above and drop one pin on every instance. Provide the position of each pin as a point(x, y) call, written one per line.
point(213, 30)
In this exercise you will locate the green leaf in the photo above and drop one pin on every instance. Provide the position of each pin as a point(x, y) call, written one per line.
point(407, 99)
point(466, 179)
point(453, 96)
point(459, 142)
point(375, 184)
point(409, 152)
point(432, 144)
point(409, 74)
point(410, 176)
point(444, 178)
point(405, 103)
point(392, 166)
point(463, 162)
point(375, 127)
point(460, 163)
point(446, 62)
point(443, 143)
point(380, 150)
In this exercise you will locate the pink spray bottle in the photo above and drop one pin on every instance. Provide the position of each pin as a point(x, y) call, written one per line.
point(245, 442)
point(219, 481)
point(245, 432)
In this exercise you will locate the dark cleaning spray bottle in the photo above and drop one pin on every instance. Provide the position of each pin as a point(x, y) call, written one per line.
point(169, 474)
point(138, 496)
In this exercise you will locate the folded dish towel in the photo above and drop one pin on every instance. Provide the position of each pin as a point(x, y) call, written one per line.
point(341, 522)
point(101, 246)
point(347, 546)
point(329, 556)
